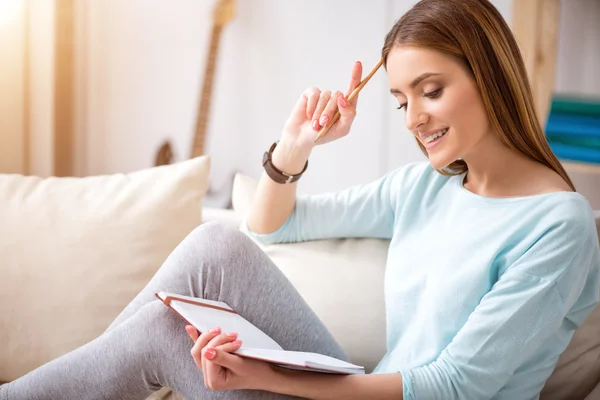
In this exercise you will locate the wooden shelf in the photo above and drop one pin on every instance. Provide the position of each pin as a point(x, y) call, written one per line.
point(536, 28)
point(581, 167)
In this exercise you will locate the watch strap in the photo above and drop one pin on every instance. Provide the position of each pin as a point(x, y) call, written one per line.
point(276, 174)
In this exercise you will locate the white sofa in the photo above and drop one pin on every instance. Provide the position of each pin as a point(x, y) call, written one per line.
point(74, 251)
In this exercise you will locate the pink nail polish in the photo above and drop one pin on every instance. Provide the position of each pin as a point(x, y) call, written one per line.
point(210, 354)
point(315, 125)
point(214, 330)
point(237, 342)
point(232, 334)
point(324, 120)
point(343, 102)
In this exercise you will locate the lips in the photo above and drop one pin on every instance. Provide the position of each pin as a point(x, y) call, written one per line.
point(432, 138)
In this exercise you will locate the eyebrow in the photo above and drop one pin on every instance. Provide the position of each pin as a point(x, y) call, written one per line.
point(415, 81)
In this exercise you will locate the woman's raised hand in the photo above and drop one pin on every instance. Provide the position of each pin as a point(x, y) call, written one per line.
point(316, 108)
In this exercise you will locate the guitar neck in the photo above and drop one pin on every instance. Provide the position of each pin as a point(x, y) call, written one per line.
point(198, 146)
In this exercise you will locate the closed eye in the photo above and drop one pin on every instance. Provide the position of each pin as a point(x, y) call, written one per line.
point(431, 95)
point(434, 95)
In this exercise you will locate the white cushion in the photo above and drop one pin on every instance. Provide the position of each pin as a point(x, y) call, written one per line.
point(220, 215)
point(75, 251)
point(340, 279)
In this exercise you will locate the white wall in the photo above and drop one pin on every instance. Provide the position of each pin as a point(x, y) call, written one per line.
point(579, 48)
point(142, 62)
point(145, 61)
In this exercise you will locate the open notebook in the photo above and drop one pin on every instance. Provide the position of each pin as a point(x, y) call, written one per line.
point(205, 314)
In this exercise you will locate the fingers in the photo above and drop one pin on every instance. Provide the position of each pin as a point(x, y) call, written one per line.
point(209, 352)
point(192, 332)
point(201, 343)
point(312, 96)
point(355, 79)
point(330, 109)
point(209, 340)
point(324, 98)
point(220, 340)
point(347, 112)
point(328, 104)
point(347, 108)
point(230, 347)
point(320, 106)
point(304, 108)
point(219, 358)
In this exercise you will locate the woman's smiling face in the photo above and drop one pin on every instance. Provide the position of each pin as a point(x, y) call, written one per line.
point(441, 102)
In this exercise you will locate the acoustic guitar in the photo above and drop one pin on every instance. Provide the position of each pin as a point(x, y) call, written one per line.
point(223, 12)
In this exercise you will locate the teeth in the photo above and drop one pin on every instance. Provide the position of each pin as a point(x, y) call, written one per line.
point(435, 135)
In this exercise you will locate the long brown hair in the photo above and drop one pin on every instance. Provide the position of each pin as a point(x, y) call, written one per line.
point(474, 32)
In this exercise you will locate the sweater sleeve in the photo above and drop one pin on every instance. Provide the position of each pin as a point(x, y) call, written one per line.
point(360, 211)
point(555, 282)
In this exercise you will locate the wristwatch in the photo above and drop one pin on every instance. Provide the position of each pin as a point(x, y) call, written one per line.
point(276, 174)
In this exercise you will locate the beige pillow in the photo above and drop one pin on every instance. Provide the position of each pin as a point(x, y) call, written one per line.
point(75, 251)
point(340, 279)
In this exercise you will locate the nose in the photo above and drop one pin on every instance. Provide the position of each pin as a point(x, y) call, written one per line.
point(415, 117)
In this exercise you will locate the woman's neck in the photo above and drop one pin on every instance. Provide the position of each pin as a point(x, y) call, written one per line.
point(497, 171)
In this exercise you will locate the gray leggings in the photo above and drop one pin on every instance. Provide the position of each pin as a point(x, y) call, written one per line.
point(147, 348)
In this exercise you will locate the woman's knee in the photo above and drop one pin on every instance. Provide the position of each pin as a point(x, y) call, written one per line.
point(221, 245)
point(214, 260)
point(217, 235)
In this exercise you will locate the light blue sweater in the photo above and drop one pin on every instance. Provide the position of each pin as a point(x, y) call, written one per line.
point(482, 294)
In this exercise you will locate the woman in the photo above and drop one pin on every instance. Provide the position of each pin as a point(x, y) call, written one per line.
point(493, 260)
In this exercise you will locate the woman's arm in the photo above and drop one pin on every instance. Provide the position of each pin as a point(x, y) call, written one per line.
point(546, 288)
point(278, 215)
point(223, 370)
point(549, 289)
point(273, 202)
point(318, 386)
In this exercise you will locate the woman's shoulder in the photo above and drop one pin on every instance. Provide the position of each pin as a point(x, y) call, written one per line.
point(416, 173)
point(566, 207)
point(555, 227)
point(415, 183)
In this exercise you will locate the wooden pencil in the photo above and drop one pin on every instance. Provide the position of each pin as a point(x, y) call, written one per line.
point(354, 93)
